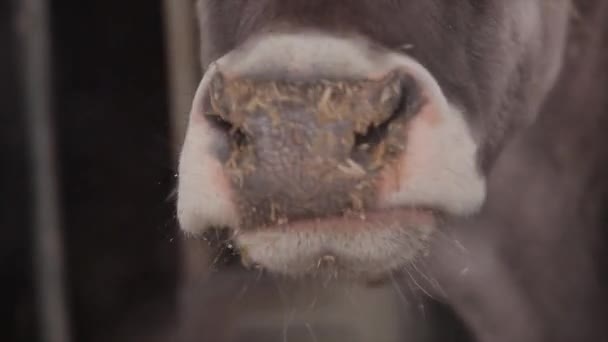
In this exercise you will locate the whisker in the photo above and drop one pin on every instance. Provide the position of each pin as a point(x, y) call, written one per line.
point(419, 300)
point(351, 299)
point(241, 293)
point(172, 195)
point(417, 284)
point(313, 304)
point(312, 334)
point(431, 280)
point(398, 290)
point(258, 276)
point(287, 322)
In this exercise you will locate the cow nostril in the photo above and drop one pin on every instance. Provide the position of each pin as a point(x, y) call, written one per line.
point(216, 121)
point(218, 115)
point(377, 132)
point(235, 134)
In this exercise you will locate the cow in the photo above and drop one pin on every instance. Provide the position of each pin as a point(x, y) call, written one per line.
point(455, 141)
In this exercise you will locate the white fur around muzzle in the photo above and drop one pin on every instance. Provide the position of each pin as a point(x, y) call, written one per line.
point(439, 165)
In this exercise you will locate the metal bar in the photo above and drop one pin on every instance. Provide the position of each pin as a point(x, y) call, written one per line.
point(48, 247)
point(184, 73)
point(182, 64)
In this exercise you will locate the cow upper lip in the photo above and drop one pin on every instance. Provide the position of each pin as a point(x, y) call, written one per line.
point(351, 216)
point(369, 215)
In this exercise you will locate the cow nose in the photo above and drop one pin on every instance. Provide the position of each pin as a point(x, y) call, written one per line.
point(301, 149)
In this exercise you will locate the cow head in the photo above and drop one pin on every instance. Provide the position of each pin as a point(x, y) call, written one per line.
point(342, 135)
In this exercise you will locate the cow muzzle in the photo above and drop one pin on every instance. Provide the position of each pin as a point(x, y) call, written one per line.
point(320, 150)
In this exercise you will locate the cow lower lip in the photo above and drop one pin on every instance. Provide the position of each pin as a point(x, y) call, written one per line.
point(365, 246)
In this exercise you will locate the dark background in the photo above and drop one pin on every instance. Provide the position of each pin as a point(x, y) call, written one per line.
point(115, 170)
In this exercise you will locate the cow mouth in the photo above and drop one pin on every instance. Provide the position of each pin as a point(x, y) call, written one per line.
point(363, 245)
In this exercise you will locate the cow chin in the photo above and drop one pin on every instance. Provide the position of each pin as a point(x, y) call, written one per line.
point(434, 178)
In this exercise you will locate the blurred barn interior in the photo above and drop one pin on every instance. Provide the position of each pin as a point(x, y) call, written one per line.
point(94, 98)
point(94, 112)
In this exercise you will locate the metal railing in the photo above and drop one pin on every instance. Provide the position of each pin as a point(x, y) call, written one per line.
point(34, 28)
